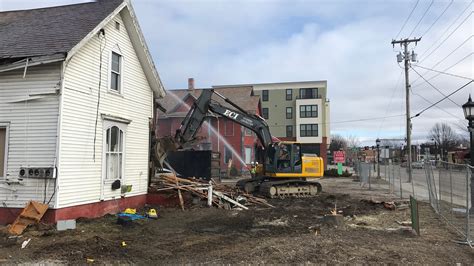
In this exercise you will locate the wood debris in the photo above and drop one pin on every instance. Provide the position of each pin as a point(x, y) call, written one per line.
point(221, 194)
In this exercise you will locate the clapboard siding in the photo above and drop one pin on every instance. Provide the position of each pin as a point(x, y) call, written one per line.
point(32, 130)
point(81, 175)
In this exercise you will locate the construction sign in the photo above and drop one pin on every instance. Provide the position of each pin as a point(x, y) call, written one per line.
point(339, 156)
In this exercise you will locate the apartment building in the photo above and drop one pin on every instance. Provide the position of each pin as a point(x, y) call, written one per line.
point(296, 111)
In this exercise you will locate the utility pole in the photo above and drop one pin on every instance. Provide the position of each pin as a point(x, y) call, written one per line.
point(406, 57)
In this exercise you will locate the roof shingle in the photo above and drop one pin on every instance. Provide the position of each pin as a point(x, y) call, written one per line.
point(47, 31)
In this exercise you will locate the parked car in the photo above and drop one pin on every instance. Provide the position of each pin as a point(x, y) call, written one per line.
point(417, 165)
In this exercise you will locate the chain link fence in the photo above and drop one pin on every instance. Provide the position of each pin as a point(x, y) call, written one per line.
point(449, 187)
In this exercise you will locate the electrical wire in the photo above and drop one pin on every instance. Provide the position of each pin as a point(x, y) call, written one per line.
point(441, 36)
point(434, 104)
point(436, 20)
point(438, 90)
point(446, 69)
point(98, 91)
point(409, 16)
point(445, 73)
point(390, 102)
point(364, 119)
point(430, 102)
point(419, 21)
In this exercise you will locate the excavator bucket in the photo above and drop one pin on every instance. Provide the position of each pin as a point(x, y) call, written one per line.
point(161, 148)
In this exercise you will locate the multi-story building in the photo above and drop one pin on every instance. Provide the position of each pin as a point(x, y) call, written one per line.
point(296, 111)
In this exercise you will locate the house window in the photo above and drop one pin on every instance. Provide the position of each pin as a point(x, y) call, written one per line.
point(229, 128)
point(308, 111)
point(309, 93)
point(265, 113)
point(289, 112)
point(117, 25)
point(114, 152)
point(289, 94)
point(265, 96)
point(227, 154)
point(289, 131)
point(309, 130)
point(3, 151)
point(248, 155)
point(115, 72)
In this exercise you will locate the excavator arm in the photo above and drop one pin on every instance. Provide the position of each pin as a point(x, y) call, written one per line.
point(202, 108)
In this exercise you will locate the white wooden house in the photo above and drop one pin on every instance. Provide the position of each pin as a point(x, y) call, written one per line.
point(77, 86)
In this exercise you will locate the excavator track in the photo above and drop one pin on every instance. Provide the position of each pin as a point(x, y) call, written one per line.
point(290, 188)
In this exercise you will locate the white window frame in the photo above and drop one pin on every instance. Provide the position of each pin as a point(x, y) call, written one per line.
point(122, 65)
point(107, 124)
point(248, 156)
point(7, 140)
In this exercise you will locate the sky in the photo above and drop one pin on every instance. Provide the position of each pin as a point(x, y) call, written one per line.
point(346, 42)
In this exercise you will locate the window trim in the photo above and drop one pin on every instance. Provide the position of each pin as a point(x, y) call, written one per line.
point(292, 133)
point(311, 130)
point(5, 125)
point(225, 128)
point(289, 94)
point(305, 112)
point(107, 124)
point(265, 95)
point(290, 113)
point(263, 113)
point(122, 64)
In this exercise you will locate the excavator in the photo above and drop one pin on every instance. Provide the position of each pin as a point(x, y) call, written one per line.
point(281, 169)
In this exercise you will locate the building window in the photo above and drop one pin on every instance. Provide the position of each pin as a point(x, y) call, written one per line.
point(309, 93)
point(289, 131)
point(114, 152)
point(116, 72)
point(227, 154)
point(117, 25)
point(289, 112)
point(289, 94)
point(3, 150)
point(248, 132)
point(248, 155)
point(229, 128)
point(265, 113)
point(308, 111)
point(265, 96)
point(309, 130)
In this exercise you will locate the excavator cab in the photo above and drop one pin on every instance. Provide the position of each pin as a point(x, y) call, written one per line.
point(284, 157)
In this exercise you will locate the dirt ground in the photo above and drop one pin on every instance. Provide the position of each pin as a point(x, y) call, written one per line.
point(293, 232)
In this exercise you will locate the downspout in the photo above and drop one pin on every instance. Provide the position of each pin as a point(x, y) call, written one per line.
point(57, 160)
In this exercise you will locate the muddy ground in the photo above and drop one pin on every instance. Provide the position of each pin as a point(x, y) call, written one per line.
point(293, 232)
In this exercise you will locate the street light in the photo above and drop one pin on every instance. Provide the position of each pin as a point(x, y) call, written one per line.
point(468, 109)
point(377, 141)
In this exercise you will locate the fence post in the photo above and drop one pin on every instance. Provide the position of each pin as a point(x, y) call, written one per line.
point(400, 179)
point(451, 191)
point(468, 238)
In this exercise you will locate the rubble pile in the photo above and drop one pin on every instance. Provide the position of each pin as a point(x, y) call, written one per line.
point(219, 195)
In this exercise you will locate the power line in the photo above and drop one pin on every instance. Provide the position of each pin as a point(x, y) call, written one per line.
point(419, 21)
point(438, 90)
point(434, 104)
point(453, 51)
point(436, 20)
point(441, 36)
point(365, 119)
point(446, 69)
point(390, 102)
point(409, 16)
point(441, 72)
point(430, 102)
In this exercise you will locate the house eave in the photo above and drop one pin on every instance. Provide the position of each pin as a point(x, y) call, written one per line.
point(32, 61)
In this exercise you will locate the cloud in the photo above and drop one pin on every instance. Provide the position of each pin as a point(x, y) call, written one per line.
point(346, 42)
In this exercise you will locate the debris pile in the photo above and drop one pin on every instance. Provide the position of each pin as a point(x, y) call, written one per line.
point(219, 195)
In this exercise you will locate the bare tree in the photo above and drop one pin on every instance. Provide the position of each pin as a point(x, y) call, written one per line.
point(353, 141)
point(338, 142)
point(444, 137)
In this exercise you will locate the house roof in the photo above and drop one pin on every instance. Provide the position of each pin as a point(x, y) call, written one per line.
point(242, 96)
point(52, 30)
point(65, 29)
